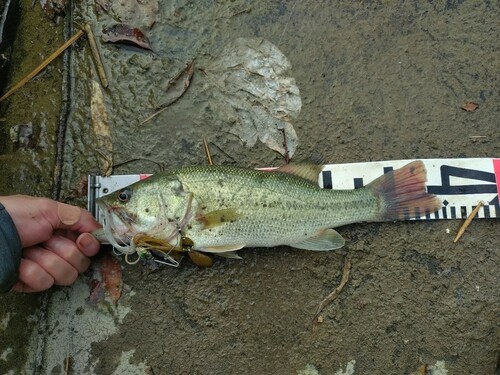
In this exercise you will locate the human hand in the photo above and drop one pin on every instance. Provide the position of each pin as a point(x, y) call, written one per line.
point(55, 241)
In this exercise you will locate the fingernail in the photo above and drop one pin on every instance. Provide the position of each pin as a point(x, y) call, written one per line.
point(88, 244)
point(68, 215)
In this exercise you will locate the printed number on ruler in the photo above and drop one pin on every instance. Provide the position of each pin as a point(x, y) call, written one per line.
point(460, 183)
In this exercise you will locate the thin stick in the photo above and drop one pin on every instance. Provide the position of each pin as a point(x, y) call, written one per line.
point(178, 86)
point(334, 294)
point(43, 65)
point(468, 221)
point(285, 145)
point(160, 165)
point(149, 118)
point(66, 365)
point(97, 56)
point(207, 151)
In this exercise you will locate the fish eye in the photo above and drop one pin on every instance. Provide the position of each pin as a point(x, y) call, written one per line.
point(125, 195)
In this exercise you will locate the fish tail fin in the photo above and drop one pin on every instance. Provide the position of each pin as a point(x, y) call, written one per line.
point(403, 194)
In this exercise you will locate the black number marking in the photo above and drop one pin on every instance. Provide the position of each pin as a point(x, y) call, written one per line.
point(327, 180)
point(447, 189)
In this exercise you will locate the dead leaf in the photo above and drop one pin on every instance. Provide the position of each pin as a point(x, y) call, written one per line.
point(179, 84)
point(79, 189)
point(470, 106)
point(106, 282)
point(102, 131)
point(253, 95)
point(125, 34)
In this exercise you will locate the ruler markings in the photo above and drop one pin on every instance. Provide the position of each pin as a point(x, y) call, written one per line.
point(327, 179)
point(453, 214)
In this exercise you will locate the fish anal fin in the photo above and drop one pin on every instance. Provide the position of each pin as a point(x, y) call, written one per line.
point(213, 219)
point(323, 240)
point(307, 171)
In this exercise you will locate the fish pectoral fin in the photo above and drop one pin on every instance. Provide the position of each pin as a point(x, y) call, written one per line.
point(323, 240)
point(229, 255)
point(222, 249)
point(219, 217)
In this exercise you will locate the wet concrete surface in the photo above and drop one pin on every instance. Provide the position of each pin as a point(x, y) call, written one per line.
point(377, 82)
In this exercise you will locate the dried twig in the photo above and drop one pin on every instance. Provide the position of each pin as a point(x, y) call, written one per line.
point(160, 165)
point(468, 221)
point(285, 146)
point(246, 10)
point(176, 88)
point(97, 56)
point(334, 294)
point(66, 365)
point(43, 65)
point(207, 151)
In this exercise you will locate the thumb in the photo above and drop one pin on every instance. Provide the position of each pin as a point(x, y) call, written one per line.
point(75, 219)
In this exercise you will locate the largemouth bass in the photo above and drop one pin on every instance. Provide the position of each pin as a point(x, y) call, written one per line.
point(218, 209)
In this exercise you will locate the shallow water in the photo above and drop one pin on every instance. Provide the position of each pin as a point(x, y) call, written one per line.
point(376, 82)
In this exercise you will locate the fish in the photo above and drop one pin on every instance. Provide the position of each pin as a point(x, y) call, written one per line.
point(222, 209)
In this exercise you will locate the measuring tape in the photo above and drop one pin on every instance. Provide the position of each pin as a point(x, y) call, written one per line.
point(460, 183)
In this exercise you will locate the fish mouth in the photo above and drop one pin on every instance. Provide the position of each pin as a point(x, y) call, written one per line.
point(117, 228)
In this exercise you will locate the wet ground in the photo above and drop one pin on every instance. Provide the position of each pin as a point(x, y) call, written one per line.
point(376, 82)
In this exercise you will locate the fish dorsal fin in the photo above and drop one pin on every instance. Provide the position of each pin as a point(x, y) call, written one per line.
point(323, 240)
point(307, 171)
point(215, 218)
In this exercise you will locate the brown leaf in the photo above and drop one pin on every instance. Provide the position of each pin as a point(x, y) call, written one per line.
point(79, 189)
point(470, 106)
point(179, 84)
point(106, 282)
point(125, 34)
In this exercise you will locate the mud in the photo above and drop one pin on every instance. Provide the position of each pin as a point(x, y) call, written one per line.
point(377, 82)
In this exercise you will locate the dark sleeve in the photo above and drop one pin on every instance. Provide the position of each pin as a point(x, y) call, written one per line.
point(10, 251)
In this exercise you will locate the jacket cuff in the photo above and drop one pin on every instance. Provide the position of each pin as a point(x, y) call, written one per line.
point(10, 251)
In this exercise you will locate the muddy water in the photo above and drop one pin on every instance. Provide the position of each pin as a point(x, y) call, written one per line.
point(376, 83)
